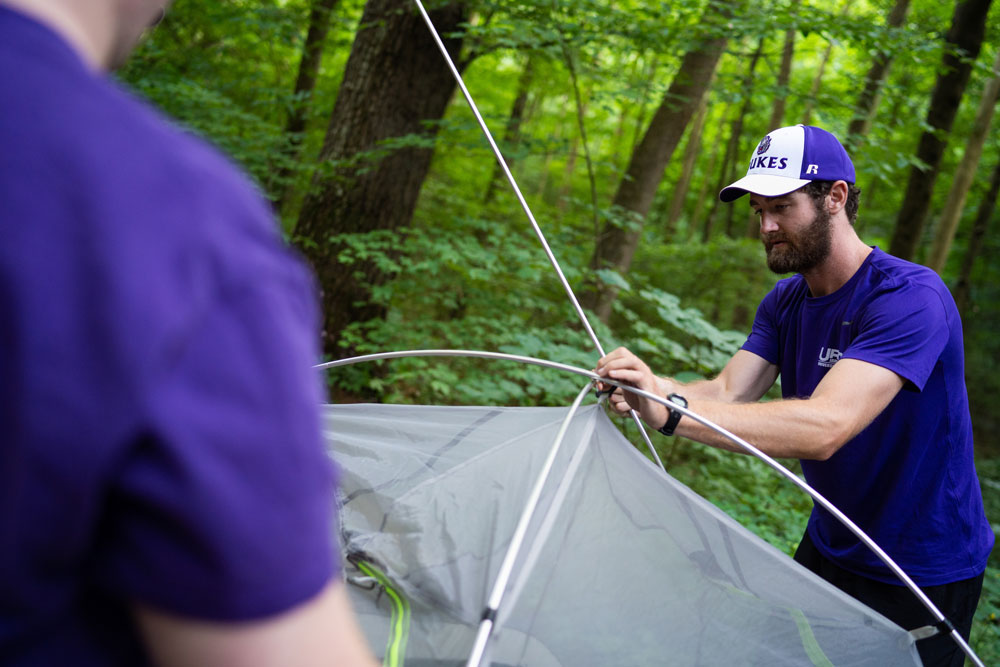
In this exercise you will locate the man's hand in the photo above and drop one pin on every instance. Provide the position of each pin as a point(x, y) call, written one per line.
point(628, 369)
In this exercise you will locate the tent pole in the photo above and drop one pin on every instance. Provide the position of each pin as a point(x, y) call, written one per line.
point(488, 621)
point(527, 210)
point(488, 617)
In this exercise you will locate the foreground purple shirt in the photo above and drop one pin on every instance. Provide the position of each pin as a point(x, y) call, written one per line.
point(159, 430)
point(908, 479)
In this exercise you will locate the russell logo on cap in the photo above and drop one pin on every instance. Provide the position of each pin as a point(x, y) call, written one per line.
point(788, 158)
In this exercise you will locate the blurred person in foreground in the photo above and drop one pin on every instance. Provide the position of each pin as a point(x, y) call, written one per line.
point(164, 493)
point(869, 351)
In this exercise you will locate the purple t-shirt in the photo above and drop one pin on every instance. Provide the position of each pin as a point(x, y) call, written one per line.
point(159, 428)
point(908, 479)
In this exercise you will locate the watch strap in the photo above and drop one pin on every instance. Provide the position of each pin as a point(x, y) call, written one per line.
point(675, 416)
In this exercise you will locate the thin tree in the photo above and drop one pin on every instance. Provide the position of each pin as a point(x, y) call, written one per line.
point(984, 214)
point(512, 128)
point(616, 243)
point(703, 195)
point(580, 110)
point(570, 62)
point(305, 83)
point(733, 163)
point(784, 72)
point(820, 71)
point(691, 152)
point(968, 26)
point(640, 107)
point(965, 172)
point(377, 151)
point(729, 155)
point(895, 117)
point(867, 104)
point(542, 186)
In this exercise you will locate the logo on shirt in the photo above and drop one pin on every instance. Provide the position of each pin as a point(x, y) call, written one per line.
point(828, 357)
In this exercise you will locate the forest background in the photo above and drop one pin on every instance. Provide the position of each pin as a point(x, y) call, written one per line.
point(621, 120)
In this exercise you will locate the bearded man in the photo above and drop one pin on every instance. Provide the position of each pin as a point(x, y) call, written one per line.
point(869, 351)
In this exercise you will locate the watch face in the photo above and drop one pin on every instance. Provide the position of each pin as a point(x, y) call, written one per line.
point(677, 399)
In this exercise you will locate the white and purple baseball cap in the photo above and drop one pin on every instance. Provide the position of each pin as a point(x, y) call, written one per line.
point(788, 158)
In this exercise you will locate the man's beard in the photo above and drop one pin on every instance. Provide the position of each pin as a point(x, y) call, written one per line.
point(802, 251)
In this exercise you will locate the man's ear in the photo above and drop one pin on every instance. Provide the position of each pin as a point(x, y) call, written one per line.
point(837, 199)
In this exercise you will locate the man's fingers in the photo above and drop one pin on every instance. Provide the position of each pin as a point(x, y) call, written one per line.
point(621, 406)
point(620, 357)
point(609, 363)
point(628, 375)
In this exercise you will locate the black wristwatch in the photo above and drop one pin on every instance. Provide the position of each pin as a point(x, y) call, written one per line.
point(675, 416)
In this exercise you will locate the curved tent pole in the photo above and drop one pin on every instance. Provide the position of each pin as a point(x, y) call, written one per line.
point(527, 211)
point(941, 620)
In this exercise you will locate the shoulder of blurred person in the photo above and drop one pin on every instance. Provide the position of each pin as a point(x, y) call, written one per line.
point(163, 462)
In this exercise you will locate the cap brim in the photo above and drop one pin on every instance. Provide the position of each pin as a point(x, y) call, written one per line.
point(761, 184)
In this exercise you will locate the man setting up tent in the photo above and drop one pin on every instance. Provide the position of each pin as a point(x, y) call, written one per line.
point(165, 496)
point(869, 351)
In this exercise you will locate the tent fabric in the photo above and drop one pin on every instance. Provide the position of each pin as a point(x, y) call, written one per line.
point(622, 565)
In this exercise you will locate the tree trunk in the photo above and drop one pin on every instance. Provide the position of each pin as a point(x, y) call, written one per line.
point(734, 164)
point(730, 156)
point(640, 118)
point(964, 40)
point(704, 195)
point(616, 244)
point(966, 172)
point(512, 131)
point(580, 109)
point(542, 189)
point(871, 187)
point(784, 74)
point(975, 246)
point(864, 110)
point(395, 85)
point(582, 128)
point(691, 151)
point(816, 84)
point(638, 124)
point(818, 79)
point(305, 83)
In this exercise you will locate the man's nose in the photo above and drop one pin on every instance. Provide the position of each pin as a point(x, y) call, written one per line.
point(767, 223)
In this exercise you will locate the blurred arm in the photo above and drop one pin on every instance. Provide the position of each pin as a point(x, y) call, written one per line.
point(320, 631)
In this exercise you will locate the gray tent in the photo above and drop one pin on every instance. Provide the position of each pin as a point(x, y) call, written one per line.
point(621, 565)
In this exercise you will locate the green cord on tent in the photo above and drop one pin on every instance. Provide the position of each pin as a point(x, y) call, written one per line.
point(399, 624)
point(809, 643)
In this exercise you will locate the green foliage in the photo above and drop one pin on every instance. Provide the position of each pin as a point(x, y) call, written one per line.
point(478, 289)
point(986, 628)
point(724, 278)
point(985, 637)
point(226, 71)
